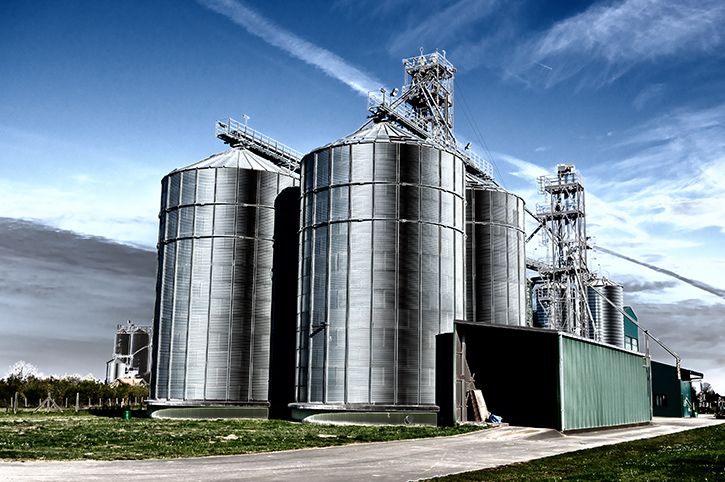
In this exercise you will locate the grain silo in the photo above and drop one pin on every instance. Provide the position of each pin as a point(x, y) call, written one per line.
point(608, 320)
point(123, 341)
point(140, 353)
point(541, 314)
point(381, 274)
point(214, 289)
point(495, 256)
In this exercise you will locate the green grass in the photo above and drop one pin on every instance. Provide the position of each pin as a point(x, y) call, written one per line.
point(697, 455)
point(29, 436)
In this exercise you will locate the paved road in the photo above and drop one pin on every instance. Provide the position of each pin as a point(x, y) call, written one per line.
point(385, 461)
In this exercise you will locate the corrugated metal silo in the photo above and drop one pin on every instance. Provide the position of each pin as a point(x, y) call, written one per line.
point(608, 321)
point(212, 321)
point(495, 256)
point(123, 342)
point(140, 339)
point(382, 270)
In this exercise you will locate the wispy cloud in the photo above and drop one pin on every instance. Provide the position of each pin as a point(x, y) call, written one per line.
point(647, 95)
point(675, 170)
point(440, 28)
point(606, 41)
point(632, 284)
point(370, 7)
point(696, 283)
point(619, 219)
point(273, 34)
point(524, 169)
point(93, 209)
point(662, 193)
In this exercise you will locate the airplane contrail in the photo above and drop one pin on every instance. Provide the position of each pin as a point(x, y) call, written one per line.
point(691, 282)
point(273, 34)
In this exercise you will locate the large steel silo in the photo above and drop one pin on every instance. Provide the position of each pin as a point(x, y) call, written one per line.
point(214, 289)
point(495, 256)
point(608, 321)
point(381, 273)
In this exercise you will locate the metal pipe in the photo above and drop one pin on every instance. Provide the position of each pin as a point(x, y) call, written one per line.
point(584, 294)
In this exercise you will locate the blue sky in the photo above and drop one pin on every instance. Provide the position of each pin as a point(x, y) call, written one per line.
point(98, 100)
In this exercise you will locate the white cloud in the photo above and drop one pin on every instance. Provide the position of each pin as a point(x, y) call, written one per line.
point(124, 210)
point(606, 41)
point(663, 195)
point(647, 95)
point(371, 7)
point(273, 34)
point(676, 173)
point(83, 188)
point(441, 28)
point(624, 215)
point(524, 169)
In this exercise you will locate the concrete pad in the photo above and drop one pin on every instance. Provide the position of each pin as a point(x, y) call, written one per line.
point(385, 461)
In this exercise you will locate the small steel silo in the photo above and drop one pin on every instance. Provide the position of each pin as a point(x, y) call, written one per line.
point(122, 342)
point(540, 311)
point(213, 310)
point(495, 256)
point(608, 321)
point(381, 271)
point(140, 340)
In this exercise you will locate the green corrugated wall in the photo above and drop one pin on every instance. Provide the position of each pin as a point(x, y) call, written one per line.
point(601, 386)
point(686, 399)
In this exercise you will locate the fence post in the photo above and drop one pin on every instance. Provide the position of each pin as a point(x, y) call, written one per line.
point(78, 401)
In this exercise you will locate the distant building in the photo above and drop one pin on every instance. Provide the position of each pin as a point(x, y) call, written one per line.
point(131, 354)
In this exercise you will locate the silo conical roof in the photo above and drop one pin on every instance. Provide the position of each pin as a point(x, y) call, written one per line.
point(378, 131)
point(239, 158)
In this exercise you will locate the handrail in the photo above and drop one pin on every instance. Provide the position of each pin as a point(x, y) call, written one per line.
point(232, 129)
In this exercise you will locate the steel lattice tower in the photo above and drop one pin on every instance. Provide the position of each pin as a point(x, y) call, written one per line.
point(562, 293)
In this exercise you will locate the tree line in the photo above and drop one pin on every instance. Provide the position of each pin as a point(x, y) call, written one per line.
point(33, 389)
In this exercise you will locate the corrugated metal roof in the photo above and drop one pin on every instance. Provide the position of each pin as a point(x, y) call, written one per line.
point(239, 158)
point(378, 131)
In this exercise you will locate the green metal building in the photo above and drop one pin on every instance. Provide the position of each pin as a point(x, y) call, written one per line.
point(631, 332)
point(544, 378)
point(673, 397)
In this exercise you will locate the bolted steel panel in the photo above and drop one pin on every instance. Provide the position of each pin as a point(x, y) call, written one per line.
point(123, 343)
point(386, 269)
point(608, 321)
point(496, 259)
point(140, 340)
point(213, 315)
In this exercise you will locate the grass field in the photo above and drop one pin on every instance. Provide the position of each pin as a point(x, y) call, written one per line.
point(30, 436)
point(697, 455)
